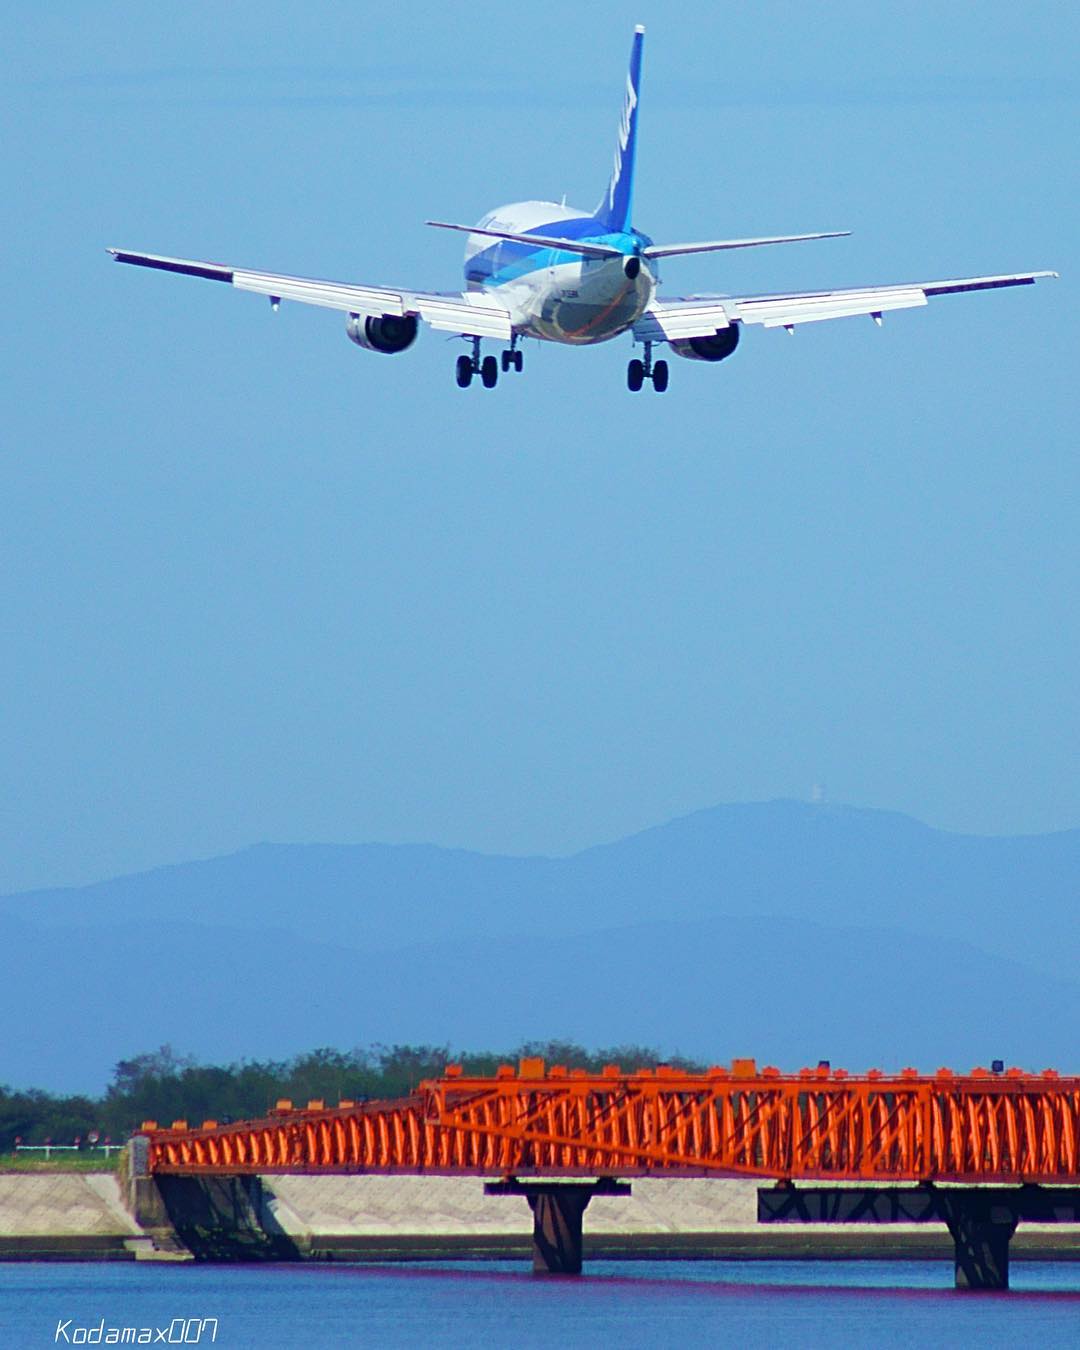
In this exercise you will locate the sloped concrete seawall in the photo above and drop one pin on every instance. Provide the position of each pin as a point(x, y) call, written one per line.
point(426, 1218)
point(366, 1218)
point(64, 1216)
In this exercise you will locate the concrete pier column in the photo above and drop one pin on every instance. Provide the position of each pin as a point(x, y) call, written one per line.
point(981, 1219)
point(557, 1225)
point(558, 1210)
point(981, 1233)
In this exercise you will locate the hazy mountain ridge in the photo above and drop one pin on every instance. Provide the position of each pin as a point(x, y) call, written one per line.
point(779, 929)
point(1017, 896)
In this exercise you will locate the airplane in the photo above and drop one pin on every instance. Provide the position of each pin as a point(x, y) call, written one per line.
point(547, 271)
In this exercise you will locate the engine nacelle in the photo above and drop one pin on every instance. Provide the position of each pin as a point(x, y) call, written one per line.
point(712, 348)
point(389, 333)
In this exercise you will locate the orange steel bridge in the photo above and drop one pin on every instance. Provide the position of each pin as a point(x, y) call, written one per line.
point(976, 1128)
point(979, 1152)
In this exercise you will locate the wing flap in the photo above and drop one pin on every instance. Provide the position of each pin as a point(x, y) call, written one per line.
point(304, 290)
point(463, 312)
point(671, 320)
point(476, 317)
point(328, 294)
point(789, 311)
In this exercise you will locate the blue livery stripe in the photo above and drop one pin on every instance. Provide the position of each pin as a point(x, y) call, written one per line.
point(507, 260)
point(615, 209)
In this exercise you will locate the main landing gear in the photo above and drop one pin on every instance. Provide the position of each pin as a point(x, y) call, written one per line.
point(637, 372)
point(488, 367)
point(512, 359)
point(468, 366)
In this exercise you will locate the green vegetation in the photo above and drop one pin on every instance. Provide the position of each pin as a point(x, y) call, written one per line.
point(88, 1160)
point(165, 1086)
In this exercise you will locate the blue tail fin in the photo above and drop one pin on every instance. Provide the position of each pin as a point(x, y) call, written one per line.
point(614, 210)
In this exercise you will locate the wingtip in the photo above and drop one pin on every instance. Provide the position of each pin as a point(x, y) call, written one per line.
point(639, 28)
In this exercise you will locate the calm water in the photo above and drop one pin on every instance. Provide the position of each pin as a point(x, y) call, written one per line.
point(496, 1304)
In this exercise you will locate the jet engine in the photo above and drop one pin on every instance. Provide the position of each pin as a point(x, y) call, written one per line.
point(712, 348)
point(389, 333)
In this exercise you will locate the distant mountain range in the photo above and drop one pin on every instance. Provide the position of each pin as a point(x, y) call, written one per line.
point(784, 930)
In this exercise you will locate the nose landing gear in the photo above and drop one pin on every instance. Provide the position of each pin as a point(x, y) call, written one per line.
point(637, 372)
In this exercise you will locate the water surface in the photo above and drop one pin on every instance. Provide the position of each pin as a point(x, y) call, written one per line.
point(496, 1304)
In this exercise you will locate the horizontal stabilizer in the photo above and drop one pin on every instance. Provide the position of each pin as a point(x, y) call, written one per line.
point(590, 250)
point(715, 245)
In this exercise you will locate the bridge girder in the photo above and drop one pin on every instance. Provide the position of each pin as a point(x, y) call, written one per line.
point(819, 1124)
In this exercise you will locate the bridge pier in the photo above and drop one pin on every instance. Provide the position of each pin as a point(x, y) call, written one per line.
point(980, 1219)
point(981, 1235)
point(558, 1210)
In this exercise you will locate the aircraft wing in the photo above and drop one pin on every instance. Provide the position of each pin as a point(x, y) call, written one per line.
point(670, 320)
point(461, 312)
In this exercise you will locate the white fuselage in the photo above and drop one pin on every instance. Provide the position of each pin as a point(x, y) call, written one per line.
point(555, 294)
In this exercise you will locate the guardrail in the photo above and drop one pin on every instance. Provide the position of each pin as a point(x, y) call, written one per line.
point(50, 1148)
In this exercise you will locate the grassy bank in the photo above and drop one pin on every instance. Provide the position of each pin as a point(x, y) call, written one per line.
point(90, 1161)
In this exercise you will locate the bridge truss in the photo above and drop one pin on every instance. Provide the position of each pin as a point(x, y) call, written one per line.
point(976, 1128)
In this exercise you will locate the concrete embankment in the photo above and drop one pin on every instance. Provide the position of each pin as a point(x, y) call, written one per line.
point(67, 1216)
point(364, 1218)
point(418, 1218)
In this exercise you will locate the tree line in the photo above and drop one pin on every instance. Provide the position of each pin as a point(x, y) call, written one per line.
point(165, 1086)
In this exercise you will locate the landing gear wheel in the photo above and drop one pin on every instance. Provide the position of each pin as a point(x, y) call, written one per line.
point(519, 361)
point(507, 360)
point(660, 376)
point(464, 371)
point(489, 371)
point(635, 375)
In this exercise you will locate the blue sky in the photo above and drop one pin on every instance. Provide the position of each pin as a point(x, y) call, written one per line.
point(258, 584)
